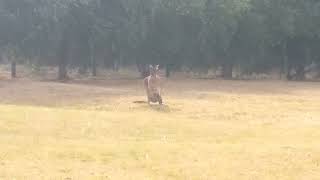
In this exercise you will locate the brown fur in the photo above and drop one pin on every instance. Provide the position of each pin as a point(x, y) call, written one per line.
point(152, 84)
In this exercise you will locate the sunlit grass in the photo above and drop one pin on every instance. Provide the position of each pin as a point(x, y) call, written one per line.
point(197, 135)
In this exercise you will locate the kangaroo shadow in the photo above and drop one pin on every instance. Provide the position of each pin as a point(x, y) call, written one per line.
point(160, 108)
point(155, 107)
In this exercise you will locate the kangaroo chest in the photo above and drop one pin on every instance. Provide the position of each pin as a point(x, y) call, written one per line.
point(153, 84)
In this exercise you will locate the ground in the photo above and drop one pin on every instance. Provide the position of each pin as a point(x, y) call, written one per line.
point(208, 129)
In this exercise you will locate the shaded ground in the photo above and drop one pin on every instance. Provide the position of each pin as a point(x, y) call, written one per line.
point(209, 129)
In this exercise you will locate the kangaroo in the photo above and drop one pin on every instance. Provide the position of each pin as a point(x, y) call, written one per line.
point(152, 84)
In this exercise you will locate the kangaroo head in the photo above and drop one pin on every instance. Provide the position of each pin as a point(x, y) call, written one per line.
point(154, 70)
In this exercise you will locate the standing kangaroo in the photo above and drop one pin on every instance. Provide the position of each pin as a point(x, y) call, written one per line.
point(152, 84)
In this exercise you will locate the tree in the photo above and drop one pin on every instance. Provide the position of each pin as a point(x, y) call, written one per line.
point(253, 35)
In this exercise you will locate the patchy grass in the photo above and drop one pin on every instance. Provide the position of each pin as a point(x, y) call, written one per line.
point(206, 130)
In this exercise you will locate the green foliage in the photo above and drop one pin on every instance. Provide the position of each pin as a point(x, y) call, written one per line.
point(256, 34)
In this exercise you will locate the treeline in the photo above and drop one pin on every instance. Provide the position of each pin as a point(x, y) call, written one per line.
point(254, 36)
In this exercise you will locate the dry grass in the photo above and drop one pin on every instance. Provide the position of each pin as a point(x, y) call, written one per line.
point(207, 130)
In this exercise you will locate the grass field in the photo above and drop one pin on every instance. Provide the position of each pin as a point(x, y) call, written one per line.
point(208, 129)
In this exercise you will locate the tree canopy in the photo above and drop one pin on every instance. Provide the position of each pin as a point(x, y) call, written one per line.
point(255, 35)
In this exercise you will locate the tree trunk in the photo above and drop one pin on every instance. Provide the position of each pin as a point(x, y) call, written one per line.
point(115, 58)
point(300, 76)
point(168, 70)
point(93, 59)
point(83, 69)
point(94, 66)
point(143, 70)
point(115, 66)
point(318, 71)
point(227, 71)
point(289, 76)
point(62, 70)
point(63, 62)
point(63, 57)
point(13, 69)
point(285, 68)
